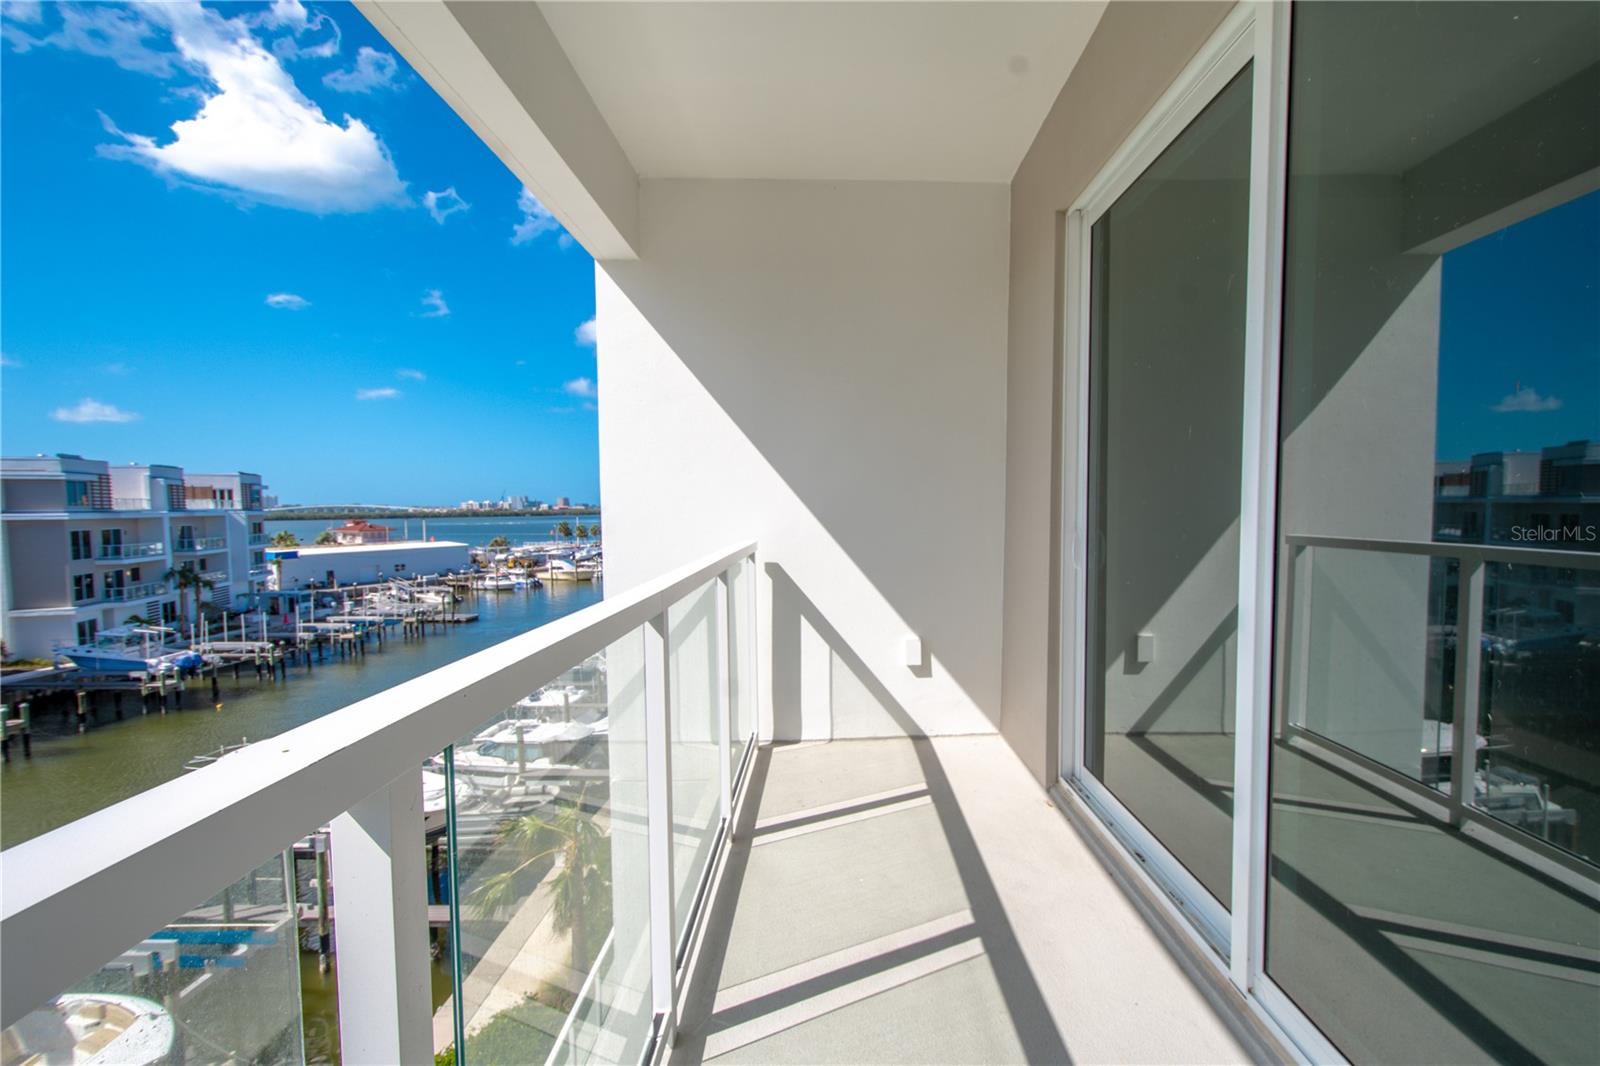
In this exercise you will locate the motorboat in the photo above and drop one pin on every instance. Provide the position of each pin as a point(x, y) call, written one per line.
point(132, 649)
point(92, 1028)
point(553, 699)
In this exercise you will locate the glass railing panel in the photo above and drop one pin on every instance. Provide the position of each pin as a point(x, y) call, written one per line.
point(1371, 656)
point(550, 880)
point(1538, 748)
point(694, 651)
point(221, 983)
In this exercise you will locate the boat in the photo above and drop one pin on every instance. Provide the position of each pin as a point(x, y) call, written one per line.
point(553, 699)
point(131, 649)
point(92, 1028)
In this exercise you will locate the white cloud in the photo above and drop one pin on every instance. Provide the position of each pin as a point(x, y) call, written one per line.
point(384, 393)
point(21, 10)
point(1527, 400)
point(443, 204)
point(87, 410)
point(123, 35)
point(535, 219)
point(585, 333)
point(256, 136)
point(413, 375)
point(373, 70)
point(287, 301)
point(433, 299)
point(292, 15)
point(8, 362)
point(583, 387)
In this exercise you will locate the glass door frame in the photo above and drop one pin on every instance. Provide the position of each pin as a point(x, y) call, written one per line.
point(1230, 937)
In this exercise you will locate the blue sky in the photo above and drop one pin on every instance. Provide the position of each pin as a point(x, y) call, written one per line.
point(250, 237)
point(1519, 344)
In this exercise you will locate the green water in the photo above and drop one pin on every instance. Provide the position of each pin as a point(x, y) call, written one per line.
point(70, 775)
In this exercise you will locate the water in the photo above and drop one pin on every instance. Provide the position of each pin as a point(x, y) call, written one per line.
point(477, 531)
point(70, 776)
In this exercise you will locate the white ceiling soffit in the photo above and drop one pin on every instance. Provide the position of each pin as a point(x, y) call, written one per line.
point(826, 90)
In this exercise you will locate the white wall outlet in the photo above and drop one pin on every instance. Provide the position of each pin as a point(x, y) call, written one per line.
point(1144, 648)
point(913, 651)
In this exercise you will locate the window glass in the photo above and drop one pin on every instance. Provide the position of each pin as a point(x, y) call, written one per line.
point(1166, 372)
point(1440, 414)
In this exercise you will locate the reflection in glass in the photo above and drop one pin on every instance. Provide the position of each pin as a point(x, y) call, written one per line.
point(741, 644)
point(1441, 395)
point(550, 873)
point(1166, 384)
point(221, 983)
point(694, 651)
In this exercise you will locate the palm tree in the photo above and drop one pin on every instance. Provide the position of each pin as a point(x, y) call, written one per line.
point(188, 579)
point(284, 539)
point(594, 531)
point(564, 528)
point(327, 537)
point(582, 531)
point(580, 889)
point(499, 542)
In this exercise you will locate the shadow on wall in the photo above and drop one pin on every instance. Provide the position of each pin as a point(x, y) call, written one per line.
point(853, 334)
point(820, 687)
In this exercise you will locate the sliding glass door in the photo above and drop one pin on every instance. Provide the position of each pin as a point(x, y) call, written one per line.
point(1435, 768)
point(1167, 258)
point(1333, 673)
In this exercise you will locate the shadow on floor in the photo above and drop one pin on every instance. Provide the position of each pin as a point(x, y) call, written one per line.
point(900, 842)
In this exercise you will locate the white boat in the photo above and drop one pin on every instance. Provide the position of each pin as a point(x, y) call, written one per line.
point(93, 1028)
point(553, 699)
point(131, 649)
point(433, 794)
point(497, 582)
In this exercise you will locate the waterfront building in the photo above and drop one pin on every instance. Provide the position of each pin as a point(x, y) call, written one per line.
point(1186, 760)
point(361, 531)
point(562, 501)
point(87, 545)
point(355, 562)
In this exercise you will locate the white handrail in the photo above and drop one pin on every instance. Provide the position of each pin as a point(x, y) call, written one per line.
point(1449, 549)
point(81, 894)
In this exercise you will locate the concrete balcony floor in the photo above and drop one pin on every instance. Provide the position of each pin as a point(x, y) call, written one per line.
point(921, 901)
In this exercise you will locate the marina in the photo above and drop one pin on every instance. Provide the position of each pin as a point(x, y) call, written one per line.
point(55, 773)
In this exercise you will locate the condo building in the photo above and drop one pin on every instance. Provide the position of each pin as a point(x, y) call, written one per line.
point(1228, 722)
point(87, 545)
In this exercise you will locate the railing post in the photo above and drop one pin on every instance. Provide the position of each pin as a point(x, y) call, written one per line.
point(724, 681)
point(380, 927)
point(1469, 656)
point(658, 806)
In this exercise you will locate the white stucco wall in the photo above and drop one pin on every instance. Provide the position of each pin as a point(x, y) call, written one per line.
point(820, 366)
point(1136, 52)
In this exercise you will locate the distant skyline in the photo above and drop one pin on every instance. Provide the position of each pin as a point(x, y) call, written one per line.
point(249, 236)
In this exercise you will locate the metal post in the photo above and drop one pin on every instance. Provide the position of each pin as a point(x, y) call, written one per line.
point(381, 932)
point(724, 683)
point(658, 805)
point(1469, 655)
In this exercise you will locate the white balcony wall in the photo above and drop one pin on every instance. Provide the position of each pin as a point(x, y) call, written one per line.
point(1136, 52)
point(821, 365)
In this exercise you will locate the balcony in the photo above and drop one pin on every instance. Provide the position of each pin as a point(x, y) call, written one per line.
point(258, 539)
point(132, 550)
point(130, 503)
point(197, 545)
point(142, 591)
point(928, 875)
point(217, 577)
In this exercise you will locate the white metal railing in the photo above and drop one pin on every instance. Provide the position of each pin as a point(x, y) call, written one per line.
point(130, 503)
point(1471, 642)
point(80, 895)
point(258, 539)
point(200, 544)
point(133, 550)
point(142, 591)
point(216, 576)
